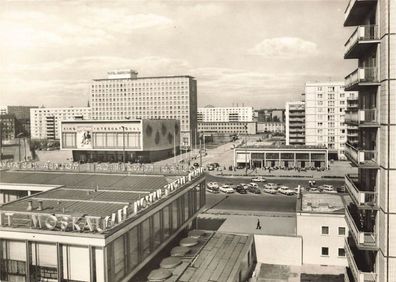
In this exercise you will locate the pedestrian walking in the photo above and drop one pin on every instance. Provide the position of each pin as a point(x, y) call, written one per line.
point(258, 226)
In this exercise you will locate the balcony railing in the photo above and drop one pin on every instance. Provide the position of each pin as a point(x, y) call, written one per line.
point(362, 117)
point(364, 240)
point(361, 157)
point(364, 76)
point(360, 276)
point(365, 199)
point(366, 34)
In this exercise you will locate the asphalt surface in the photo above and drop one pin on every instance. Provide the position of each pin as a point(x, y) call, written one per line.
point(257, 202)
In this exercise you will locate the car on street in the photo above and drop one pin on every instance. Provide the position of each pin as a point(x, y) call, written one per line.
point(254, 190)
point(258, 179)
point(244, 185)
point(253, 185)
point(212, 187)
point(240, 189)
point(226, 189)
point(286, 190)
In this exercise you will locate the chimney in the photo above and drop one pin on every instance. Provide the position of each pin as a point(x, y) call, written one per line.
point(40, 207)
point(30, 206)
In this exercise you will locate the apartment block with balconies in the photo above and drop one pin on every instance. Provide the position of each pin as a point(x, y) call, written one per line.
point(295, 123)
point(371, 245)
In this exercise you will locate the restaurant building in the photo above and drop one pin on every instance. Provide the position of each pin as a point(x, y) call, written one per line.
point(281, 156)
point(95, 227)
point(121, 141)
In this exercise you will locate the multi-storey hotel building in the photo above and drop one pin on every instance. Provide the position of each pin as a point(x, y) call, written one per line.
point(123, 95)
point(371, 246)
point(325, 105)
point(45, 122)
point(225, 114)
point(295, 123)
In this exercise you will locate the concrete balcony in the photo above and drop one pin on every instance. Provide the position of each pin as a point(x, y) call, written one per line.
point(362, 77)
point(358, 275)
point(357, 10)
point(363, 118)
point(364, 240)
point(362, 40)
point(361, 158)
point(362, 198)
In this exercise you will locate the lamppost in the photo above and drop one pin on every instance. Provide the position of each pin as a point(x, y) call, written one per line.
point(123, 144)
point(19, 145)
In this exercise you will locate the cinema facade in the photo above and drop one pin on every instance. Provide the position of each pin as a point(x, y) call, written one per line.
point(140, 141)
point(104, 234)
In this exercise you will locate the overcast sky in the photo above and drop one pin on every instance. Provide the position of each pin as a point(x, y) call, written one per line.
point(259, 53)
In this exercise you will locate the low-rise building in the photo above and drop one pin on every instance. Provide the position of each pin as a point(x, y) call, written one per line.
point(322, 226)
point(281, 156)
point(102, 228)
point(227, 128)
point(225, 114)
point(273, 127)
point(121, 141)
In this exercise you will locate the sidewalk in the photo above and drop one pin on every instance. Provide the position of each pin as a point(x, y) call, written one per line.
point(337, 170)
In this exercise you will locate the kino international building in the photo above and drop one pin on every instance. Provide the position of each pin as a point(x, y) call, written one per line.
point(93, 227)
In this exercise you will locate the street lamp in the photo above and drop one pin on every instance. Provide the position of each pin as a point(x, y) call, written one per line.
point(19, 145)
point(123, 144)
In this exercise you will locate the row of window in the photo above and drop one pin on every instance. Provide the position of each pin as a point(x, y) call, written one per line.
point(325, 252)
point(136, 83)
point(325, 230)
point(131, 248)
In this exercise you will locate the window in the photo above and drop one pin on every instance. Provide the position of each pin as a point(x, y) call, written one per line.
point(341, 230)
point(341, 252)
point(325, 230)
point(325, 251)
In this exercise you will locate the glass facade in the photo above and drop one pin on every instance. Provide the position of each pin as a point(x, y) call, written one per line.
point(50, 261)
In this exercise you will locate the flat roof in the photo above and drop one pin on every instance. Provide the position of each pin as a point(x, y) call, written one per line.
point(145, 77)
point(88, 195)
point(217, 260)
point(280, 147)
point(322, 203)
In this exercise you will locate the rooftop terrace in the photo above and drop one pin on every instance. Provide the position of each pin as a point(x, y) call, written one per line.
point(322, 203)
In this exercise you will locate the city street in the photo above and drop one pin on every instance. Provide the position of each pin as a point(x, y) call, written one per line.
point(258, 202)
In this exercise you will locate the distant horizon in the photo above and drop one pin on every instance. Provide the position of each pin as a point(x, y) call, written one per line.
point(258, 53)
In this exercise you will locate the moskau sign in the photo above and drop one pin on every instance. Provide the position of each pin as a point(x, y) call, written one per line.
point(65, 222)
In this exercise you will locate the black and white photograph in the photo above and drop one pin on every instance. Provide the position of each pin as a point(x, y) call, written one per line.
point(198, 141)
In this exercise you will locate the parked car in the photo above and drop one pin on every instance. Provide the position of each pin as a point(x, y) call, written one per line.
point(259, 179)
point(271, 186)
point(226, 189)
point(253, 185)
point(270, 190)
point(341, 189)
point(286, 190)
point(327, 188)
point(314, 190)
point(244, 185)
point(254, 190)
point(212, 187)
point(210, 167)
point(196, 164)
point(240, 189)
